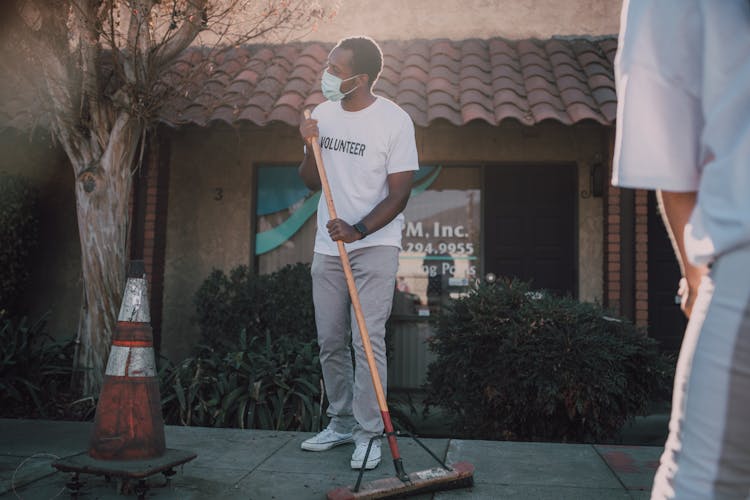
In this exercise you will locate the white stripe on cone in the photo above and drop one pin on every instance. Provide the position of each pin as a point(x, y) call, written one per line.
point(139, 362)
point(134, 306)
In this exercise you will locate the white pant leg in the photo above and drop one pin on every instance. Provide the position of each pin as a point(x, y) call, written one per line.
point(374, 270)
point(707, 454)
point(331, 301)
point(351, 395)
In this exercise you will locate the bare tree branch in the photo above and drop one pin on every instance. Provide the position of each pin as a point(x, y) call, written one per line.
point(186, 33)
point(86, 23)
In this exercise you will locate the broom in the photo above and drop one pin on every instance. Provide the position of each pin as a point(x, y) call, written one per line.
point(460, 475)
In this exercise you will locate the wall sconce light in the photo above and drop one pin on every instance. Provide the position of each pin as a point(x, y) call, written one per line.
point(596, 179)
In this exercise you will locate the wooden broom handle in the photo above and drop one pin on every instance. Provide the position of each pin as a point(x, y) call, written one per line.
point(354, 295)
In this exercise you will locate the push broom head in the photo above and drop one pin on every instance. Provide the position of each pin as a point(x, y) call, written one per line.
point(460, 475)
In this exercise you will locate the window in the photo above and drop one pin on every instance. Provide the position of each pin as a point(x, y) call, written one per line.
point(284, 218)
point(441, 238)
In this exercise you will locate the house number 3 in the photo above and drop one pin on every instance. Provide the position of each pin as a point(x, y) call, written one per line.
point(218, 194)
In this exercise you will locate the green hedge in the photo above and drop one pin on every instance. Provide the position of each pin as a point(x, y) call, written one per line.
point(35, 371)
point(259, 383)
point(279, 303)
point(257, 363)
point(516, 364)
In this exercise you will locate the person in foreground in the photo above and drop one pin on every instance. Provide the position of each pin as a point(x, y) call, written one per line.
point(369, 152)
point(683, 84)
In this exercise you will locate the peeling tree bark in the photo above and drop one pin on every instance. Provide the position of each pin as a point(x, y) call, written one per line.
point(102, 202)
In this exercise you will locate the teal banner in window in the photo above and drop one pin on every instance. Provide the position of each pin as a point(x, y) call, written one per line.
point(282, 195)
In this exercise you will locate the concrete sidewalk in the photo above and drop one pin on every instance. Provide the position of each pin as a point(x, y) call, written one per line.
point(257, 465)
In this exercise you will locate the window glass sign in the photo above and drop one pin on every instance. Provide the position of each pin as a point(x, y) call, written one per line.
point(441, 239)
point(285, 218)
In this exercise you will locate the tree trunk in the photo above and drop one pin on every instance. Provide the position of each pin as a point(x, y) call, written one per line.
point(102, 201)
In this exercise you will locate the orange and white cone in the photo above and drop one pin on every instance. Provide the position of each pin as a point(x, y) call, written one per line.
point(129, 423)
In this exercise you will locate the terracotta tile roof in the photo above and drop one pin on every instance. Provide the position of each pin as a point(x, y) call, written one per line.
point(562, 79)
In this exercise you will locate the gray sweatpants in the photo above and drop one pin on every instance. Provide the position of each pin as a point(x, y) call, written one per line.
point(351, 396)
point(707, 454)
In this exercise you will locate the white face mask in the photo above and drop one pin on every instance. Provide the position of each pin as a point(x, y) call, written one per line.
point(331, 86)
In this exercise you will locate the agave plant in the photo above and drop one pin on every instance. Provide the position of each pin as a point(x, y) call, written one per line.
point(33, 367)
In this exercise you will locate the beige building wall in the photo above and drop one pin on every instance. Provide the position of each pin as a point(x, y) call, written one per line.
point(209, 213)
point(461, 19)
point(211, 197)
point(454, 19)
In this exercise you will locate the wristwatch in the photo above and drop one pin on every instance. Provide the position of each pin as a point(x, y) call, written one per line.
point(361, 229)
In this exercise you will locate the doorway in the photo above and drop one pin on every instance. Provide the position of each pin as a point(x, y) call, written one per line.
point(530, 229)
point(666, 321)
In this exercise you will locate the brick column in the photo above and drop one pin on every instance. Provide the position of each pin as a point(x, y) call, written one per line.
point(149, 212)
point(641, 257)
point(612, 252)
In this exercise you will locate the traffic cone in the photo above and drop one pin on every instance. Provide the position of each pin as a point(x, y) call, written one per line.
point(128, 423)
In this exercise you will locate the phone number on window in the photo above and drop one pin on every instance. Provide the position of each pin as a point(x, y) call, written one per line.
point(451, 248)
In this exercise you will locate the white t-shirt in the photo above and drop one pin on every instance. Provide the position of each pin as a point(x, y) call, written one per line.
point(360, 149)
point(683, 121)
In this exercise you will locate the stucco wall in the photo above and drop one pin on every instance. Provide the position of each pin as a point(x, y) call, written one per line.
point(209, 213)
point(460, 19)
point(205, 232)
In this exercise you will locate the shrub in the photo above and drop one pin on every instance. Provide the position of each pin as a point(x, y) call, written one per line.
point(35, 371)
point(520, 365)
point(18, 236)
point(270, 384)
point(279, 303)
point(259, 383)
point(257, 365)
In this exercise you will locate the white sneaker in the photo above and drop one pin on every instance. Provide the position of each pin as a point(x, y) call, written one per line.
point(359, 456)
point(326, 440)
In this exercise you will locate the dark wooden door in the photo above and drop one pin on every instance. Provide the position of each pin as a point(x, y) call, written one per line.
point(529, 228)
point(665, 319)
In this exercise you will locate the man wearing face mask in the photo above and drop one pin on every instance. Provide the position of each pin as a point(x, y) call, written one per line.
point(369, 153)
